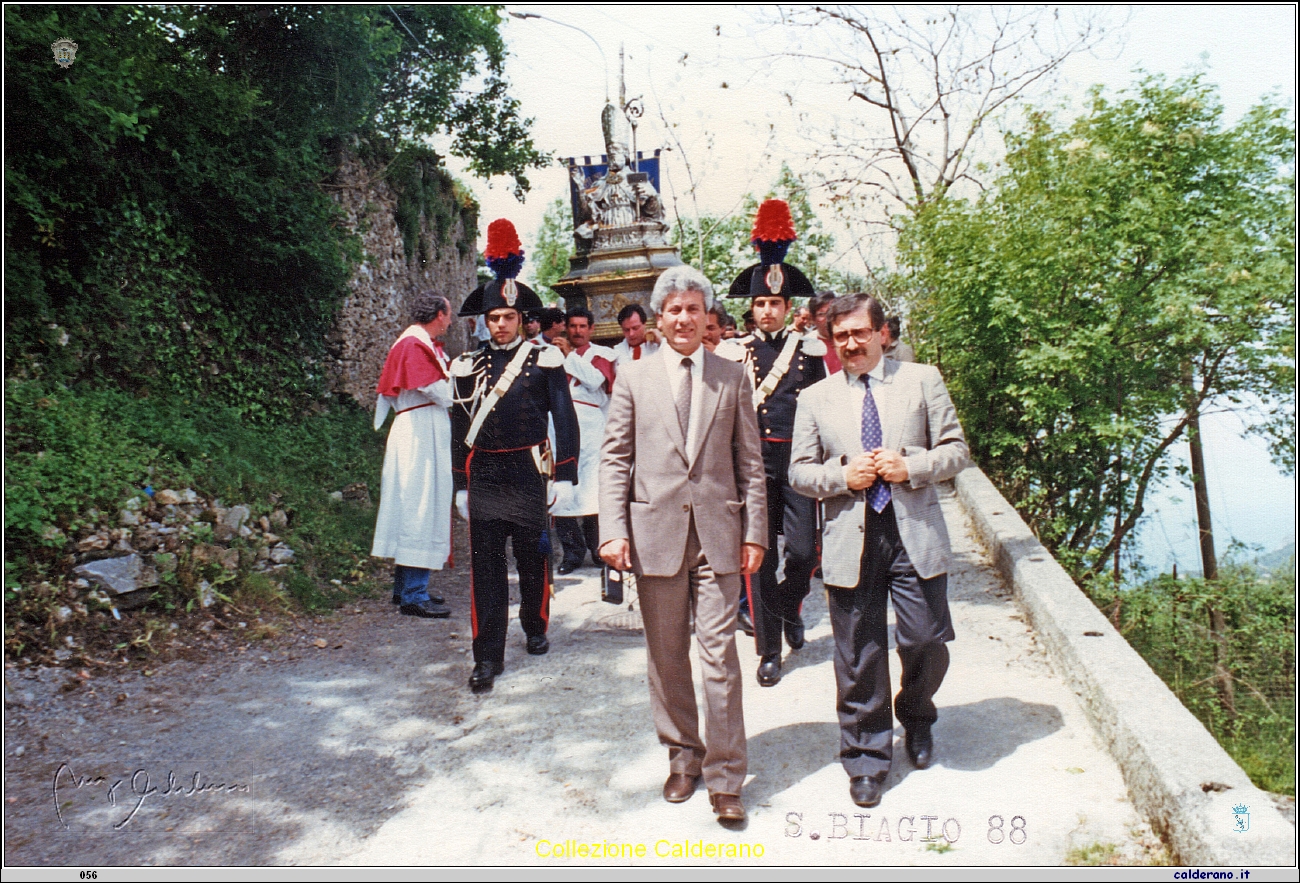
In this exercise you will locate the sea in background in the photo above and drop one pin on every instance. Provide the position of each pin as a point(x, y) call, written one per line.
point(1252, 504)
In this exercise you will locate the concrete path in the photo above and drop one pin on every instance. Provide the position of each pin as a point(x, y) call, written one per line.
point(562, 756)
point(352, 739)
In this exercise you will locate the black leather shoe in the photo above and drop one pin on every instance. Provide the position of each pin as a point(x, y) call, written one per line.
point(426, 609)
point(397, 599)
point(568, 567)
point(745, 622)
point(794, 633)
point(538, 645)
point(437, 599)
point(485, 673)
point(864, 790)
point(769, 671)
point(920, 748)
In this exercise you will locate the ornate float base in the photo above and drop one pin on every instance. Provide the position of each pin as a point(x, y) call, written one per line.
point(621, 270)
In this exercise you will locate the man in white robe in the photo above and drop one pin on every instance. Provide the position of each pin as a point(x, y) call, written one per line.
point(638, 338)
point(591, 378)
point(414, 522)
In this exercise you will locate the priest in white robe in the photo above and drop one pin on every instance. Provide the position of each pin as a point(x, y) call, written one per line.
point(414, 523)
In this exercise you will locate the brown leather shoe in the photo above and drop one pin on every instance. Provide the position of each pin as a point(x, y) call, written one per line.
point(728, 807)
point(680, 787)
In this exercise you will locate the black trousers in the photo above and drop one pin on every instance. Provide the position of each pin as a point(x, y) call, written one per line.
point(860, 627)
point(578, 535)
point(490, 584)
point(773, 603)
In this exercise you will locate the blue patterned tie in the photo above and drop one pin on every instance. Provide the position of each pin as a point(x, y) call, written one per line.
point(878, 495)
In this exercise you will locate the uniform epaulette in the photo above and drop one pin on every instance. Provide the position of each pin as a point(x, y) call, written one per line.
point(731, 350)
point(463, 365)
point(814, 345)
point(550, 356)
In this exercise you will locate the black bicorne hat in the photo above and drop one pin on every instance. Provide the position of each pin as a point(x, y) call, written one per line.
point(782, 280)
point(500, 294)
point(505, 257)
point(772, 235)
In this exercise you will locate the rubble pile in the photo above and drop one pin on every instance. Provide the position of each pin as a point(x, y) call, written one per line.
point(119, 560)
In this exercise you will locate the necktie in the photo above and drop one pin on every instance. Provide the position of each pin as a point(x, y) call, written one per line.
point(878, 495)
point(684, 399)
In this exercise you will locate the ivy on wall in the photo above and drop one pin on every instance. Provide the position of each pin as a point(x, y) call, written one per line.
point(168, 226)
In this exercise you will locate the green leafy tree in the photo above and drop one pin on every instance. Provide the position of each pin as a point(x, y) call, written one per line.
point(1067, 304)
point(167, 223)
point(549, 259)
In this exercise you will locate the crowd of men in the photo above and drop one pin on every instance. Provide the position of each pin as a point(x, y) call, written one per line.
point(722, 471)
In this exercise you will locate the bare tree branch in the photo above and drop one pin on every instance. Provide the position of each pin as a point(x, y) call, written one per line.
point(930, 80)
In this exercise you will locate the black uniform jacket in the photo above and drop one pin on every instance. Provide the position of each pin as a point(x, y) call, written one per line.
point(776, 414)
point(500, 471)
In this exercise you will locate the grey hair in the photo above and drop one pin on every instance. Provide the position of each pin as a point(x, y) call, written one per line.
point(679, 279)
point(428, 307)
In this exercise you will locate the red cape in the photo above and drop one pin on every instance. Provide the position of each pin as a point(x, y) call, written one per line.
point(410, 365)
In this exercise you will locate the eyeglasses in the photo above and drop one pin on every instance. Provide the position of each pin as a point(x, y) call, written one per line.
point(861, 335)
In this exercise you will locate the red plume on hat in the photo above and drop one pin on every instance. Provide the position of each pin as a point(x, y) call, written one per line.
point(504, 252)
point(773, 231)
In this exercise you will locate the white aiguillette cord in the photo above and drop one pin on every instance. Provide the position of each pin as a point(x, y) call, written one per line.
point(494, 395)
point(779, 368)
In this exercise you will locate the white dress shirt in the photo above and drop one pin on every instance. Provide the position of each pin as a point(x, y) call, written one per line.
point(858, 392)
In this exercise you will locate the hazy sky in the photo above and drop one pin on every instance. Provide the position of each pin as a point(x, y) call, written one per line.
point(737, 135)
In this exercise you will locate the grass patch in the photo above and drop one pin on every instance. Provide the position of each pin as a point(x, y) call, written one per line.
point(1167, 621)
point(1093, 854)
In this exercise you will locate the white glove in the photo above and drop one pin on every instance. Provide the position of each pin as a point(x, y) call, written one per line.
point(564, 495)
point(462, 505)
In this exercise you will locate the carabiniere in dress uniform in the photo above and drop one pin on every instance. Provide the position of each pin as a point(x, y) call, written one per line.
point(782, 363)
point(504, 469)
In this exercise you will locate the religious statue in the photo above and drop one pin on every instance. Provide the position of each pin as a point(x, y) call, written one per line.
point(618, 199)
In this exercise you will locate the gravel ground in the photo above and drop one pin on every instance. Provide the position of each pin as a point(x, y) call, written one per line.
point(353, 739)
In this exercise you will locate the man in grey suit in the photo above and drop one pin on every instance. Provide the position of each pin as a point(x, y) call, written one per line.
point(871, 442)
point(892, 347)
point(683, 505)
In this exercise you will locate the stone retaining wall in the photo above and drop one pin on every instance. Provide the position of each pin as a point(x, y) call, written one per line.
point(386, 282)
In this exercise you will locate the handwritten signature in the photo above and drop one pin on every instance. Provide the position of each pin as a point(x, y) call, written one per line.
point(141, 787)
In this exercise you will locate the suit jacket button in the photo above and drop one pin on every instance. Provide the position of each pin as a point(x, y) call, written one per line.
point(686, 507)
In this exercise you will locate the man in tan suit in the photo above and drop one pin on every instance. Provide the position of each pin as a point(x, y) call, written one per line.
point(871, 442)
point(683, 505)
